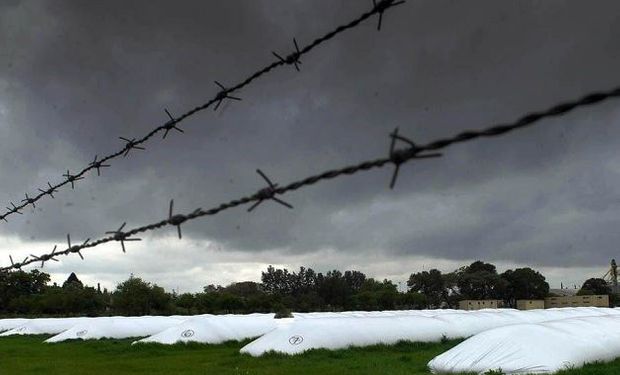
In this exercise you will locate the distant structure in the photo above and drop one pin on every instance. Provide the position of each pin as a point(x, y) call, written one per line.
point(569, 300)
point(530, 304)
point(577, 301)
point(72, 281)
point(564, 292)
point(471, 304)
point(611, 276)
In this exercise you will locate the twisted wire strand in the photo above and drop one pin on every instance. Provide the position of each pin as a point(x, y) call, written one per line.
point(377, 9)
point(402, 155)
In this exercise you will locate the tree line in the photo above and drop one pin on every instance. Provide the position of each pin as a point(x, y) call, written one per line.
point(280, 291)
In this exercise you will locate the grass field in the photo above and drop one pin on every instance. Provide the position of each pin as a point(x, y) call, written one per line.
point(28, 355)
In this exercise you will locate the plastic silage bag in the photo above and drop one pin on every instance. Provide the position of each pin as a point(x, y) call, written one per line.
point(359, 314)
point(45, 326)
point(116, 328)
point(317, 315)
point(217, 329)
point(337, 333)
point(8, 324)
point(341, 332)
point(482, 320)
point(535, 348)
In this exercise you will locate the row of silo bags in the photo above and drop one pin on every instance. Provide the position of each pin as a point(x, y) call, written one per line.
point(165, 330)
point(345, 331)
point(308, 331)
point(194, 328)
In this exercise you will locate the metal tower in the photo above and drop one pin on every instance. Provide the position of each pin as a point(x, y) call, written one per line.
point(611, 276)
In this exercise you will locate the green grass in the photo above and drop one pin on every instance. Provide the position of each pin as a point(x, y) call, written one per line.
point(596, 369)
point(28, 355)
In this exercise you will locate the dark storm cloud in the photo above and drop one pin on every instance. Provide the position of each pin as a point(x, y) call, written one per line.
point(74, 76)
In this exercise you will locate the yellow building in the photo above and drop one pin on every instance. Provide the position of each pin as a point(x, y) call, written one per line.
point(530, 304)
point(577, 301)
point(470, 304)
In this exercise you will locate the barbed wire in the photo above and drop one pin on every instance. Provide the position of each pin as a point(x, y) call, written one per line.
point(396, 156)
point(378, 8)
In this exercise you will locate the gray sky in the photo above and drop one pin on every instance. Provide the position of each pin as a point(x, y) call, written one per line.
point(75, 76)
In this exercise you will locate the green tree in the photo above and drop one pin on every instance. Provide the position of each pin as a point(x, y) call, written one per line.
point(230, 303)
point(137, 297)
point(413, 300)
point(276, 281)
point(20, 285)
point(334, 290)
point(244, 289)
point(431, 284)
point(594, 286)
point(480, 281)
point(524, 283)
point(206, 303)
point(186, 301)
point(377, 295)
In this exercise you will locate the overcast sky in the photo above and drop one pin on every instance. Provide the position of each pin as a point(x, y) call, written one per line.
point(74, 76)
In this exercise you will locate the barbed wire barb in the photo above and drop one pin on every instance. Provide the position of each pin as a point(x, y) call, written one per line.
point(20, 264)
point(293, 58)
point(121, 236)
point(172, 124)
point(29, 200)
point(130, 144)
point(50, 191)
point(176, 220)
point(222, 95)
point(45, 257)
point(267, 193)
point(15, 209)
point(381, 7)
point(98, 165)
point(72, 178)
point(76, 248)
point(399, 156)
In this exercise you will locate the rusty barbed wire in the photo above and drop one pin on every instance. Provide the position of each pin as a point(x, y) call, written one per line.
point(378, 8)
point(395, 156)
